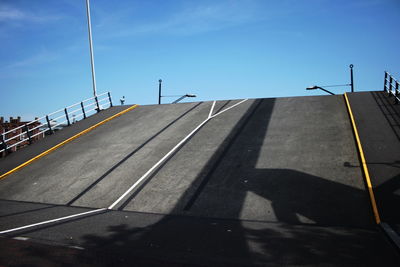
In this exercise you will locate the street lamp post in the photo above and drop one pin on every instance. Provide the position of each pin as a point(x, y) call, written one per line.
point(159, 91)
point(351, 78)
point(91, 48)
point(351, 84)
point(176, 101)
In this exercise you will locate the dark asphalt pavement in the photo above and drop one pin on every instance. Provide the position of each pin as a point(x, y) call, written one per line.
point(266, 182)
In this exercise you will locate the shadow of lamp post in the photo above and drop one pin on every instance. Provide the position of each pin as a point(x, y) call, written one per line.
point(351, 84)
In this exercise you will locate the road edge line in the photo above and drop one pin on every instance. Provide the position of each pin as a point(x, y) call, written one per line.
point(48, 151)
point(363, 162)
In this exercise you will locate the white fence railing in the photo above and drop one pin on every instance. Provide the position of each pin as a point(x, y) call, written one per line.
point(54, 121)
point(391, 86)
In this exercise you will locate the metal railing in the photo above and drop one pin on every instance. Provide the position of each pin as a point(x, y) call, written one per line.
point(391, 86)
point(31, 131)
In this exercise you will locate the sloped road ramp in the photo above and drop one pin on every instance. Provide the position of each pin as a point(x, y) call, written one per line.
point(231, 183)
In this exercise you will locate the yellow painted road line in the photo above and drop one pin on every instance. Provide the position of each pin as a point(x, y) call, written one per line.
point(66, 141)
point(363, 162)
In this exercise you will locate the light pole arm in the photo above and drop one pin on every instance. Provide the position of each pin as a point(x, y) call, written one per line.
point(179, 99)
point(329, 92)
point(319, 87)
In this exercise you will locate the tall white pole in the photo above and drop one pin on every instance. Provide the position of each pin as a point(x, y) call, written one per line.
point(91, 48)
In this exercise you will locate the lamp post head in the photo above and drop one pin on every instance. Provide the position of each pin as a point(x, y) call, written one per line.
point(190, 95)
point(160, 81)
point(312, 87)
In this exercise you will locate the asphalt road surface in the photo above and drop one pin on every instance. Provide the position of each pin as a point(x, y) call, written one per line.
point(240, 182)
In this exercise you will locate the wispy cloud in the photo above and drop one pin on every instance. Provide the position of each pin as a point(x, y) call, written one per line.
point(43, 56)
point(212, 17)
point(187, 20)
point(12, 14)
point(7, 13)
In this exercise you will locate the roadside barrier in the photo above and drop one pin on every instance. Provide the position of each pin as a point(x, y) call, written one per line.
point(391, 86)
point(48, 124)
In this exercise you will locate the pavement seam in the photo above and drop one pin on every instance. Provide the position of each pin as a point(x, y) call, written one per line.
point(48, 151)
point(363, 162)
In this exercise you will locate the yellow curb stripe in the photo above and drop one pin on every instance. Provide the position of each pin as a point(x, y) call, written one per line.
point(364, 164)
point(66, 141)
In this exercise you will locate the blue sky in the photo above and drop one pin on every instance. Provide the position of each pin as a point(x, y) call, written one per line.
point(223, 49)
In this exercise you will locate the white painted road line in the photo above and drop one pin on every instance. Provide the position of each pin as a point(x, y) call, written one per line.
point(52, 221)
point(212, 109)
point(229, 108)
point(144, 176)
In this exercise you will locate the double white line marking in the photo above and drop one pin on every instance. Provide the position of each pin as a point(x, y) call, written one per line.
point(144, 176)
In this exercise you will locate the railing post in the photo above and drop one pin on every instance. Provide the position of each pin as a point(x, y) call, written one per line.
point(28, 133)
point(83, 110)
point(109, 98)
point(48, 124)
point(385, 82)
point(390, 85)
point(66, 115)
point(396, 93)
point(3, 144)
point(97, 104)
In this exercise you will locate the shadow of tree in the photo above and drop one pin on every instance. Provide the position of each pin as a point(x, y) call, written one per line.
point(200, 241)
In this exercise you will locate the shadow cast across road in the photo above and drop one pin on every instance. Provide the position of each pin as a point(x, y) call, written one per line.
point(199, 241)
point(299, 218)
point(237, 214)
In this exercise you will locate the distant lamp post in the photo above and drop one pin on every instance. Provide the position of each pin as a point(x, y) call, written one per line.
point(159, 91)
point(351, 78)
point(351, 84)
point(176, 101)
